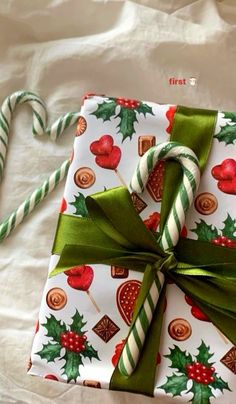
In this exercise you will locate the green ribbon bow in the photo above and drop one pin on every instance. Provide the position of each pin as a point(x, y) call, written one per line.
point(114, 234)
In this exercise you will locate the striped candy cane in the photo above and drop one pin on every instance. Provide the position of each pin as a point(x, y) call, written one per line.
point(39, 128)
point(171, 232)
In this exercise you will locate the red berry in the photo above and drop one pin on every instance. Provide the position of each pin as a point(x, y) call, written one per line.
point(197, 313)
point(158, 358)
point(189, 300)
point(51, 377)
point(198, 379)
point(191, 375)
point(189, 367)
point(84, 337)
point(63, 206)
point(205, 381)
point(212, 369)
point(197, 365)
point(36, 326)
point(212, 379)
point(184, 232)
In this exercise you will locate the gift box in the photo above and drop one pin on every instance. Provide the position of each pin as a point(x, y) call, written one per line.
point(86, 310)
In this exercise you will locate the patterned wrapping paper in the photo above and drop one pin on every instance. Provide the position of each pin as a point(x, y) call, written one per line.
point(85, 315)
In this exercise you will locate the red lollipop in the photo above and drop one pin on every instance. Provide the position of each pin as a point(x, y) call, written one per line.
point(107, 155)
point(80, 278)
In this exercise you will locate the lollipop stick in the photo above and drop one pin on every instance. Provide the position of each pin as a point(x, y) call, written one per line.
point(93, 301)
point(120, 177)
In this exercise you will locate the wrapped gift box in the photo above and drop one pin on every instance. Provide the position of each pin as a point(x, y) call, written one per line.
point(86, 312)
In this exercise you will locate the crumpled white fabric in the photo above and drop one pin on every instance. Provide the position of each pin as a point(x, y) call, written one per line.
point(62, 49)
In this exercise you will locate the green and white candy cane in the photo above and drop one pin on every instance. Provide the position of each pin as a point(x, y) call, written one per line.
point(39, 128)
point(171, 232)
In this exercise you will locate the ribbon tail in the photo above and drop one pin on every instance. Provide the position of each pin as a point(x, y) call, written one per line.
point(216, 298)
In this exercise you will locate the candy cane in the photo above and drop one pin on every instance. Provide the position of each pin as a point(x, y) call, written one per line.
point(171, 232)
point(39, 128)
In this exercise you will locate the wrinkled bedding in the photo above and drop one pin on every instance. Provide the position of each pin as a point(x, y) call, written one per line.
point(61, 49)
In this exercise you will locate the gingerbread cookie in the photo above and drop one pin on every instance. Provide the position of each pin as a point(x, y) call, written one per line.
point(119, 272)
point(81, 126)
point(229, 359)
point(56, 299)
point(106, 328)
point(180, 329)
point(206, 203)
point(145, 142)
point(84, 177)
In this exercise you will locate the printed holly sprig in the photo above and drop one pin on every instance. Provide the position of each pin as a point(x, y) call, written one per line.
point(124, 109)
point(227, 133)
point(225, 236)
point(80, 205)
point(68, 343)
point(198, 370)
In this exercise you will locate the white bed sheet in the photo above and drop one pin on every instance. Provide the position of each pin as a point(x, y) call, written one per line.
point(61, 49)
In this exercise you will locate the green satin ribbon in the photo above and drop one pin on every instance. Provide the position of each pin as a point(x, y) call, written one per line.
point(114, 234)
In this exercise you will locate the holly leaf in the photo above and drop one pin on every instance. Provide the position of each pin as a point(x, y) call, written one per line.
point(204, 231)
point(80, 205)
point(71, 367)
point(230, 115)
point(204, 354)
point(219, 383)
point(201, 393)
point(50, 352)
point(229, 229)
point(144, 109)
point(127, 119)
point(105, 110)
point(77, 323)
point(227, 134)
point(90, 352)
point(175, 384)
point(54, 328)
point(179, 359)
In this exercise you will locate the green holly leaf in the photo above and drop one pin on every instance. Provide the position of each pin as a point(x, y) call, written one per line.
point(204, 231)
point(219, 383)
point(227, 134)
point(127, 118)
point(77, 323)
point(144, 109)
point(54, 328)
point(179, 359)
point(175, 384)
point(71, 367)
point(50, 352)
point(230, 115)
point(204, 354)
point(90, 352)
point(80, 205)
point(201, 393)
point(229, 229)
point(105, 110)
